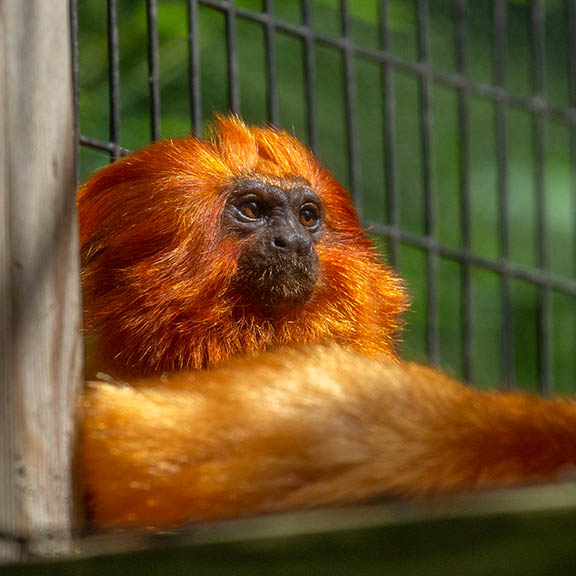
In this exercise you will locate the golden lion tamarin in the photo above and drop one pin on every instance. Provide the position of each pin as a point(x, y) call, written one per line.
point(198, 251)
point(229, 282)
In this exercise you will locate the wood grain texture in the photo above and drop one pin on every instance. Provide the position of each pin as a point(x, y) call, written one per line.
point(40, 346)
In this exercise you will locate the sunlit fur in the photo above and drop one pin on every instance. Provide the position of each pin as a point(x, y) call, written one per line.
point(157, 264)
point(308, 428)
point(296, 427)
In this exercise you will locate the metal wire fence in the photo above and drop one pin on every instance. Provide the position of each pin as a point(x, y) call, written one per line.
point(452, 123)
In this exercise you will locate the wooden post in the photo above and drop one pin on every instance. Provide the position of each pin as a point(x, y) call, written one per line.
point(40, 346)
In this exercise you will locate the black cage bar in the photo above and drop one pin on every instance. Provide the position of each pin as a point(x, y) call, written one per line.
point(426, 53)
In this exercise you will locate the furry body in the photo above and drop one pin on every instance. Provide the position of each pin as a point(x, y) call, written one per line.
point(311, 406)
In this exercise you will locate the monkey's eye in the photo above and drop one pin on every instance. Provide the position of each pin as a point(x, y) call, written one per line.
point(251, 209)
point(309, 216)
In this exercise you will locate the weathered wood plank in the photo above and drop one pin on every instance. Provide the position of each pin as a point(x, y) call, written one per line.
point(40, 347)
point(528, 531)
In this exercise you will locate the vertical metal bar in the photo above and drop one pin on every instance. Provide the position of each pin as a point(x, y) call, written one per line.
point(539, 91)
point(113, 78)
point(426, 126)
point(572, 88)
point(499, 52)
point(232, 59)
point(194, 69)
point(571, 23)
point(271, 74)
point(461, 28)
point(75, 86)
point(350, 107)
point(310, 76)
point(153, 68)
point(387, 79)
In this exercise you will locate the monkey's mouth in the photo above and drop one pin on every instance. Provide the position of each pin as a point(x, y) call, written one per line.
point(278, 284)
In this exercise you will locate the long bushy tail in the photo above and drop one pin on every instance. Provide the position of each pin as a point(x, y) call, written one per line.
point(305, 428)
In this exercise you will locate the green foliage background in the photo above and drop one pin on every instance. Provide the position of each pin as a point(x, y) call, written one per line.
point(560, 210)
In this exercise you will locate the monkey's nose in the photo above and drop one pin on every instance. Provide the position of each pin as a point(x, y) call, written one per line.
point(291, 242)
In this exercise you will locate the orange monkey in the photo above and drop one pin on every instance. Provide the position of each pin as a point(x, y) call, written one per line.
point(243, 251)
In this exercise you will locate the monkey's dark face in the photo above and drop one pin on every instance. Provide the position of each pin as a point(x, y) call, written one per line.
point(279, 267)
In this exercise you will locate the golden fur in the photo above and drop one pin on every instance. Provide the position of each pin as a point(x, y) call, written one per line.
point(335, 418)
point(307, 428)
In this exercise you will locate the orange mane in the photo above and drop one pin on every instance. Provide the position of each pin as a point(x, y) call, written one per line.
point(158, 266)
